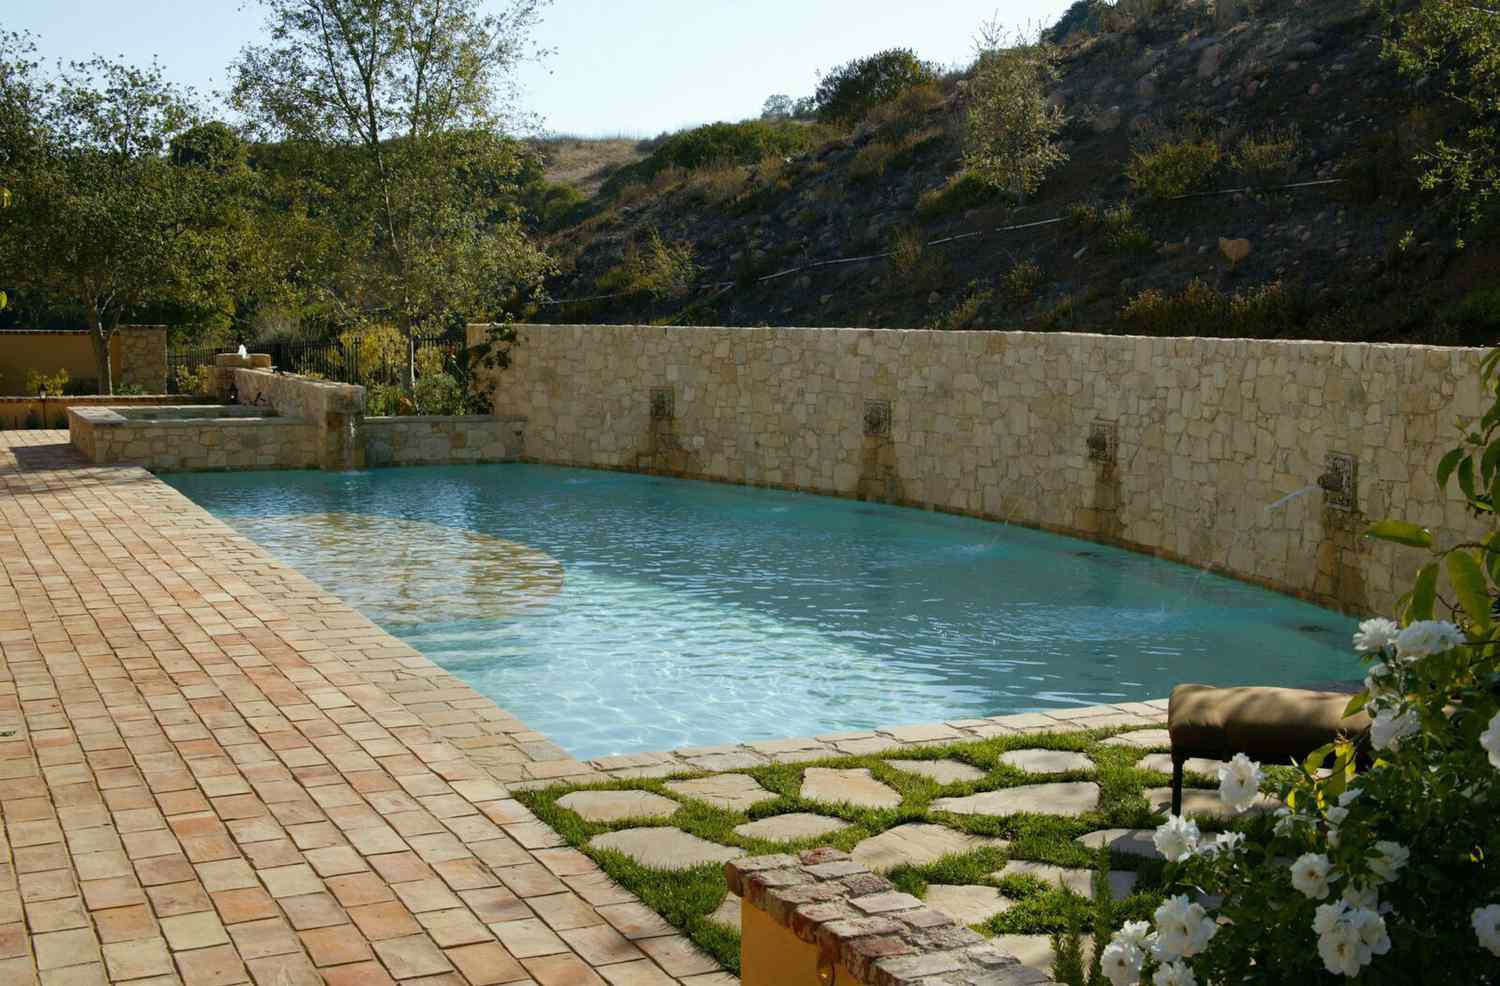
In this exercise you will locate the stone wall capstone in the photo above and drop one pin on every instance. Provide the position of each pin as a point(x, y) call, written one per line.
point(1175, 447)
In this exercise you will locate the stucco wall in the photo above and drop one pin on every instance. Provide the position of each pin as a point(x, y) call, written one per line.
point(441, 440)
point(1204, 434)
point(137, 354)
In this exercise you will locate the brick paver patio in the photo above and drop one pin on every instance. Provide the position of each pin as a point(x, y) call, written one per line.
point(214, 772)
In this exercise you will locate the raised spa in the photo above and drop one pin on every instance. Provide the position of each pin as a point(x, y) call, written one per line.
point(620, 613)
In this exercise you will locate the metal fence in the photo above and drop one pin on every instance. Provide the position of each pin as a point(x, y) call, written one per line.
point(365, 358)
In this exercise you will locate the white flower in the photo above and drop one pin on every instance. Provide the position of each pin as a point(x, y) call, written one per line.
point(1490, 740)
point(1121, 963)
point(1174, 974)
point(1176, 839)
point(1391, 857)
point(1487, 927)
point(1137, 933)
point(1182, 929)
point(1336, 816)
point(1227, 842)
point(1239, 783)
point(1375, 635)
point(1427, 637)
point(1348, 938)
point(1348, 797)
point(1380, 679)
point(1286, 822)
point(1310, 875)
point(1388, 729)
point(1358, 895)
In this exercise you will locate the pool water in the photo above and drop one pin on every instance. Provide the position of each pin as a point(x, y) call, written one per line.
point(619, 613)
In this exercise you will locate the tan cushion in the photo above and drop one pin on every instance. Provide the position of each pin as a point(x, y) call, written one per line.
point(1271, 724)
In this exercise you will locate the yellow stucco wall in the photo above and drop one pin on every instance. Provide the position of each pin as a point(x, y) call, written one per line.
point(137, 354)
point(770, 955)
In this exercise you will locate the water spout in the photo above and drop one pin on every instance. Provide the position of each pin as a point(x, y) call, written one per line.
point(1298, 494)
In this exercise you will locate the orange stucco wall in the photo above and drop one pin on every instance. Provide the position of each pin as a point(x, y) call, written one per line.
point(48, 352)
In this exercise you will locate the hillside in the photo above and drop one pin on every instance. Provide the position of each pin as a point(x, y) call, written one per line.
point(1297, 93)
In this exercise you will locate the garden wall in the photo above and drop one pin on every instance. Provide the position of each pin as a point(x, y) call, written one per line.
point(1175, 447)
point(439, 440)
point(334, 410)
point(28, 412)
point(137, 353)
point(195, 445)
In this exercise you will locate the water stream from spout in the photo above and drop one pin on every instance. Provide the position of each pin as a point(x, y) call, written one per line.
point(1234, 542)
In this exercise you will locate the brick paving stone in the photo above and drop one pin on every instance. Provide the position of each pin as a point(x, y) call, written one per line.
point(258, 939)
point(358, 974)
point(643, 973)
point(527, 938)
point(454, 927)
point(678, 956)
point(292, 969)
point(336, 946)
point(486, 964)
point(198, 930)
point(137, 959)
point(386, 920)
point(601, 944)
point(250, 904)
point(413, 955)
point(561, 970)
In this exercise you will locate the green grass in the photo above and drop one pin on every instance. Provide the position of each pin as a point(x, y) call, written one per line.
point(686, 898)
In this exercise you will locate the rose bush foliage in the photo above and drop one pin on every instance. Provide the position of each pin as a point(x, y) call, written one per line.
point(1386, 868)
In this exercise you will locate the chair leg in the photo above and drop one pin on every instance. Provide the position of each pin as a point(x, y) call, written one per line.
point(1177, 767)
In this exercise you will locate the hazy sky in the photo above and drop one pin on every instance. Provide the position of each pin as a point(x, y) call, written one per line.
point(621, 66)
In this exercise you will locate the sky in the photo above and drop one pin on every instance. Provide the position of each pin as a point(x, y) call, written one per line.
point(634, 67)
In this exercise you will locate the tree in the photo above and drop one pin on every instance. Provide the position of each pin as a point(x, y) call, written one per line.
point(850, 91)
point(398, 106)
point(104, 223)
point(1454, 47)
point(778, 107)
point(1010, 126)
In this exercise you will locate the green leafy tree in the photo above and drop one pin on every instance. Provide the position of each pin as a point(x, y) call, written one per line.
point(1454, 46)
point(850, 91)
point(394, 110)
point(1010, 128)
point(105, 224)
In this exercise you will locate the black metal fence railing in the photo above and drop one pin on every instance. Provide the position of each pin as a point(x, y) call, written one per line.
point(367, 359)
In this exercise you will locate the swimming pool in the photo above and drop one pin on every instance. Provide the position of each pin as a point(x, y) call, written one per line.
point(620, 613)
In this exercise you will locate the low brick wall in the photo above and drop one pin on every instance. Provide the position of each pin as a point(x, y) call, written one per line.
point(820, 917)
point(423, 440)
point(26, 412)
point(196, 444)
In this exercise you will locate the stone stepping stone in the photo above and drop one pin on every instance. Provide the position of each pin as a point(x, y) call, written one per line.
point(616, 806)
point(1079, 881)
point(665, 848)
point(1071, 798)
point(732, 792)
point(1135, 842)
point(728, 914)
point(1197, 801)
point(918, 843)
point(1142, 739)
point(785, 828)
point(1035, 951)
point(1046, 761)
point(968, 904)
point(1195, 765)
point(855, 787)
point(941, 771)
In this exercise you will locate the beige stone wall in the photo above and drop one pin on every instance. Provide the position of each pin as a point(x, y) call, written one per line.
point(335, 410)
point(142, 359)
point(1209, 433)
point(194, 445)
point(16, 412)
point(439, 440)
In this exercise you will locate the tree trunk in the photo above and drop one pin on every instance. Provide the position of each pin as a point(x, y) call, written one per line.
point(100, 336)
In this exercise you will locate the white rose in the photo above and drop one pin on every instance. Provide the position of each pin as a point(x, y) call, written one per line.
point(1286, 822)
point(1371, 929)
point(1183, 929)
point(1380, 679)
point(1361, 896)
point(1121, 963)
point(1375, 635)
point(1239, 783)
point(1174, 974)
point(1490, 740)
point(1388, 729)
point(1389, 858)
point(1427, 637)
point(1487, 927)
point(1176, 839)
point(1137, 933)
point(1348, 939)
point(1310, 875)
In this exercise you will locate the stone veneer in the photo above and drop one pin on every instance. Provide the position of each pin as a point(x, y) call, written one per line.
point(1192, 439)
point(16, 411)
point(420, 440)
point(856, 926)
point(194, 444)
point(333, 410)
point(143, 358)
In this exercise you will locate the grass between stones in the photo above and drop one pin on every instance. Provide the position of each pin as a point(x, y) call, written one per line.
point(686, 898)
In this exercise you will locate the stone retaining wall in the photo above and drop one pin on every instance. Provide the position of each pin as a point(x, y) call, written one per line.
point(1175, 447)
point(194, 445)
point(442, 440)
point(334, 410)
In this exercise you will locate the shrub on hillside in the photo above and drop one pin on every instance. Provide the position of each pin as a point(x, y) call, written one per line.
point(1010, 128)
point(852, 90)
point(1022, 282)
point(659, 269)
point(1267, 158)
point(1171, 167)
point(962, 193)
point(912, 264)
point(1265, 312)
point(964, 314)
point(713, 146)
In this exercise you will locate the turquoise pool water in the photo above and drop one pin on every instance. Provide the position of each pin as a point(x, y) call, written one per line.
point(620, 613)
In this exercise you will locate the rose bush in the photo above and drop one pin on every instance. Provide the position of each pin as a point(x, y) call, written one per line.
point(1386, 868)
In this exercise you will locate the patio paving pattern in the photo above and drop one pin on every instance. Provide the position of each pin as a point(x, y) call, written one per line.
point(213, 772)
